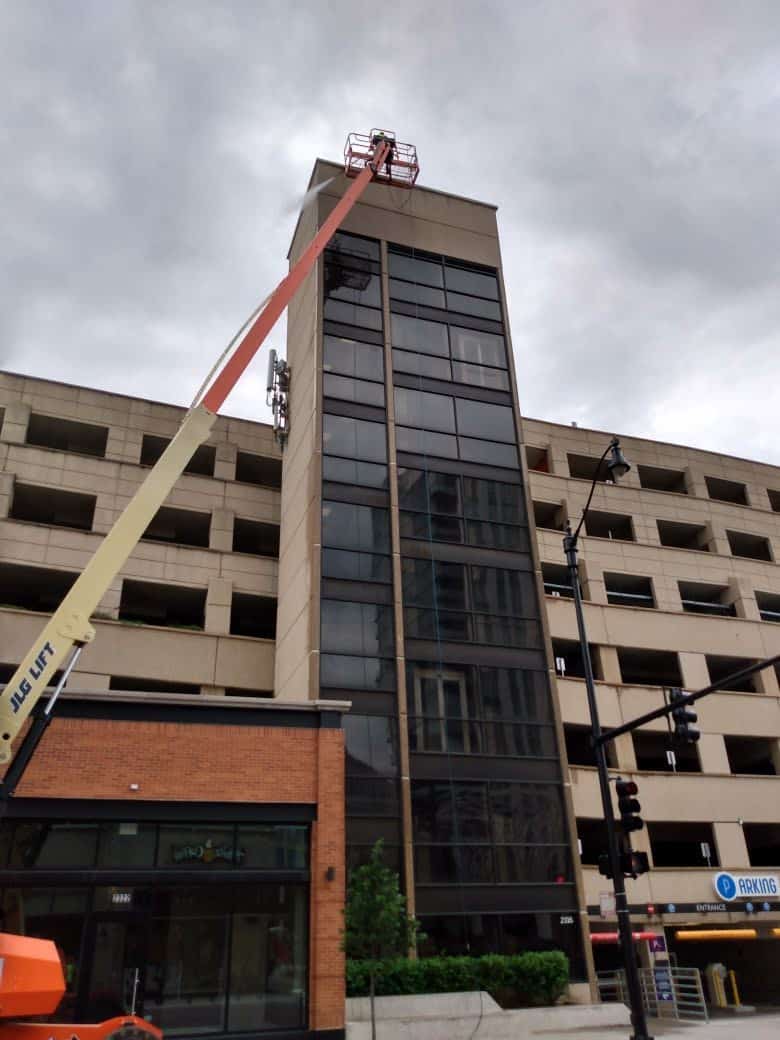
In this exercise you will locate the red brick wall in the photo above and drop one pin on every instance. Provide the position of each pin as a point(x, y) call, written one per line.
point(90, 758)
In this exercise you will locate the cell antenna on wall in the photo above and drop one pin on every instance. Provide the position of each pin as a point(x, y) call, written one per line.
point(277, 387)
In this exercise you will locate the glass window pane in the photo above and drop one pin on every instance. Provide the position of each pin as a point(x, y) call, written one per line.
point(352, 314)
point(354, 245)
point(414, 293)
point(127, 845)
point(415, 269)
point(527, 813)
point(498, 591)
point(348, 357)
point(349, 471)
point(270, 846)
point(493, 500)
point(478, 419)
point(475, 282)
point(269, 954)
point(480, 348)
point(187, 962)
point(422, 365)
point(356, 390)
point(357, 628)
point(352, 281)
point(368, 797)
point(356, 566)
point(423, 442)
point(502, 631)
point(53, 844)
point(524, 864)
point(343, 672)
point(478, 375)
point(444, 625)
point(349, 526)
point(354, 438)
point(487, 451)
point(371, 745)
point(480, 308)
point(420, 409)
point(188, 846)
point(497, 536)
point(424, 337)
point(513, 693)
point(432, 811)
point(412, 489)
point(432, 528)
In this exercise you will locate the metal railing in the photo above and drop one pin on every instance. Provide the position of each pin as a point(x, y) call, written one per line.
point(667, 992)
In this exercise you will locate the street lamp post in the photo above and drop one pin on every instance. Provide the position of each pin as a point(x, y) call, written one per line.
point(617, 467)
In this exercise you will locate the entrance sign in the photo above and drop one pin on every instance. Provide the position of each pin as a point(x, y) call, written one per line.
point(743, 886)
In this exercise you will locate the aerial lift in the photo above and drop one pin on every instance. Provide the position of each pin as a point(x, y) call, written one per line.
point(31, 974)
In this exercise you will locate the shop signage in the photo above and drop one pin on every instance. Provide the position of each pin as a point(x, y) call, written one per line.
point(657, 944)
point(743, 886)
point(207, 852)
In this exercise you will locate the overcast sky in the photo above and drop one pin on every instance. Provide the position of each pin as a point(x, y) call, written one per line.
point(154, 155)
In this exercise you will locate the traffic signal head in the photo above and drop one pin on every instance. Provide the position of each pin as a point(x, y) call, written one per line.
point(634, 863)
point(628, 806)
point(683, 717)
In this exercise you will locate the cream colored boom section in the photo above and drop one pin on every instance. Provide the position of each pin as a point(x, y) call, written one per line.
point(70, 625)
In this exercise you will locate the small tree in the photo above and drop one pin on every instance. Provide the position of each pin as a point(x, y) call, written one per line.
point(376, 924)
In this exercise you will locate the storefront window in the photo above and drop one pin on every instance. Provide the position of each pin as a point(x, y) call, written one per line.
point(127, 845)
point(54, 844)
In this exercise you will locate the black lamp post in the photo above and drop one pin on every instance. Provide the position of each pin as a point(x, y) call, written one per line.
point(618, 467)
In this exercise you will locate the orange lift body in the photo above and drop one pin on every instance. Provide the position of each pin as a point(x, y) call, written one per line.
point(32, 981)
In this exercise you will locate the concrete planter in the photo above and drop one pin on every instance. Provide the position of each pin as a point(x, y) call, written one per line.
point(455, 1016)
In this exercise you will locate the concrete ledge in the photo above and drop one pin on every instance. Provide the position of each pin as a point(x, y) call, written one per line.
point(455, 1016)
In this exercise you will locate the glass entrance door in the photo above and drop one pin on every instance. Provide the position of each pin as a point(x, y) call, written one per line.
point(115, 960)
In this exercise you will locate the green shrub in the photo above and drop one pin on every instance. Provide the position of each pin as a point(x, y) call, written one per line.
point(522, 979)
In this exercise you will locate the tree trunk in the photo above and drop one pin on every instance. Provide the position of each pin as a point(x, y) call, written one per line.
point(371, 989)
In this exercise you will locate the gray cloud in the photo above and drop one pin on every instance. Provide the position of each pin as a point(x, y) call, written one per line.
point(154, 152)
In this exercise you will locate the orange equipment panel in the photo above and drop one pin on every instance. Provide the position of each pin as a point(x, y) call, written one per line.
point(31, 982)
point(126, 1027)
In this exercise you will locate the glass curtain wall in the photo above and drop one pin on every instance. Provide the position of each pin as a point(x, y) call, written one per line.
point(357, 635)
point(493, 867)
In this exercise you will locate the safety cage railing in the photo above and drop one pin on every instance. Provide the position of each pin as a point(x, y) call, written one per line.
point(400, 168)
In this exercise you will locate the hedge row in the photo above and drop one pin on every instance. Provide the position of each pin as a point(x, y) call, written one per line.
point(524, 978)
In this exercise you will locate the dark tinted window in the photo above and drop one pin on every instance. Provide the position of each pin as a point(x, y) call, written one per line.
point(474, 282)
point(476, 375)
point(352, 314)
point(422, 365)
point(425, 337)
point(424, 442)
point(474, 305)
point(493, 500)
point(349, 526)
point(480, 348)
point(349, 471)
point(498, 591)
point(371, 745)
point(415, 269)
point(488, 452)
point(412, 293)
point(348, 357)
point(491, 421)
point(429, 411)
point(354, 245)
point(431, 583)
point(356, 390)
point(357, 628)
point(347, 672)
point(356, 566)
point(352, 280)
point(354, 438)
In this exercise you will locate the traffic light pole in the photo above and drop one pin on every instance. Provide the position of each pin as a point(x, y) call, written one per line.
point(636, 1006)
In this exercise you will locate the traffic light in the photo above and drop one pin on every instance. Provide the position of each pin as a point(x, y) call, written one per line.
point(683, 718)
point(628, 806)
point(634, 863)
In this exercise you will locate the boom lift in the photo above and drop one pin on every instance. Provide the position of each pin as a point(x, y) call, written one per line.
point(31, 975)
